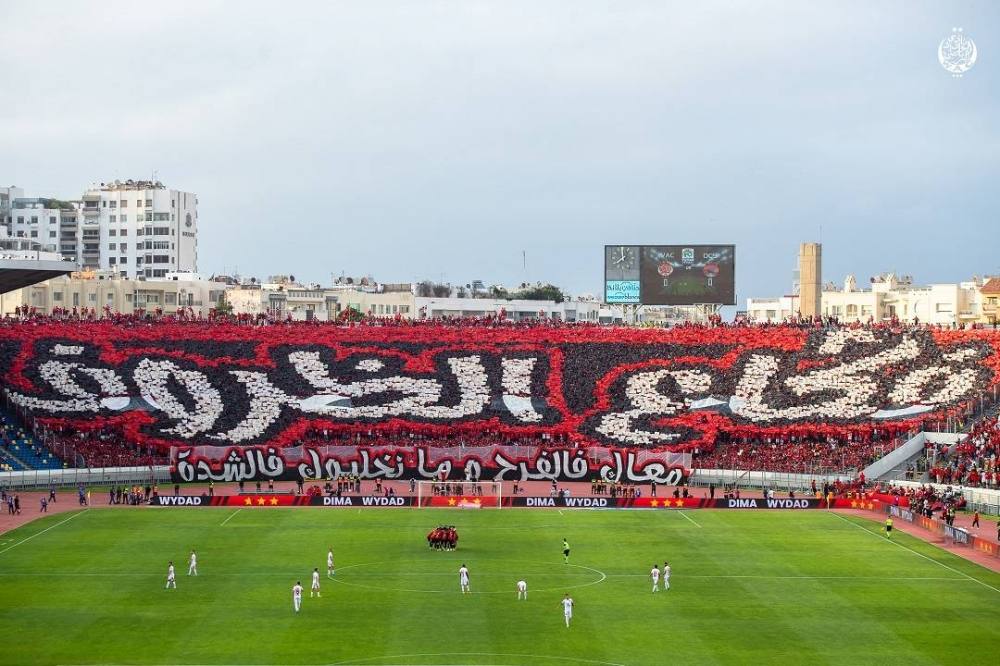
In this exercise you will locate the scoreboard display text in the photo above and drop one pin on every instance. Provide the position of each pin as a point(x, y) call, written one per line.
point(670, 274)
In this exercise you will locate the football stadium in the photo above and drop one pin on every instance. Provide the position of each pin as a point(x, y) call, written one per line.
point(563, 333)
point(411, 476)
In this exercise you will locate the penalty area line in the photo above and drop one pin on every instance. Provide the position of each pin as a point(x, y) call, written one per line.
point(230, 516)
point(50, 527)
point(689, 519)
point(929, 559)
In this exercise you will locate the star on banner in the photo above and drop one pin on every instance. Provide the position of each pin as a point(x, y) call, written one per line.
point(248, 502)
point(274, 501)
point(260, 501)
point(654, 503)
point(451, 501)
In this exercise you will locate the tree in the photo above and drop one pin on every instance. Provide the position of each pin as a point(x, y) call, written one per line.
point(223, 307)
point(544, 292)
point(425, 289)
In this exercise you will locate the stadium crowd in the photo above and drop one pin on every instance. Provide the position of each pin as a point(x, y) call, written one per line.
point(802, 448)
point(972, 462)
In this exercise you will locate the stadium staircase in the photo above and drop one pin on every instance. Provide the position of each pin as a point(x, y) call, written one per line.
point(20, 450)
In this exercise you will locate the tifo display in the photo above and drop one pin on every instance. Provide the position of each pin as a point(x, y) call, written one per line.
point(507, 401)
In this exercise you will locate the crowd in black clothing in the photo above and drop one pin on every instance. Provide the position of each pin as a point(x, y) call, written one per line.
point(13, 502)
point(132, 495)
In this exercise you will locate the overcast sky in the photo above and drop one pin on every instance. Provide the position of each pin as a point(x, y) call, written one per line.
point(424, 139)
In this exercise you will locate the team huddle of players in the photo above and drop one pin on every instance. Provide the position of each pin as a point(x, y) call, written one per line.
point(443, 537)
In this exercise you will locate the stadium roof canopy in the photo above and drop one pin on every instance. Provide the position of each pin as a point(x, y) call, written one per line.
point(18, 273)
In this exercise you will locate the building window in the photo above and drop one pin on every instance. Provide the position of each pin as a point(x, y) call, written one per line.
point(20, 219)
point(138, 203)
point(34, 219)
point(124, 203)
point(34, 233)
point(111, 246)
point(124, 217)
point(122, 260)
point(124, 232)
point(112, 218)
point(112, 261)
point(57, 296)
point(52, 234)
point(114, 204)
point(52, 220)
point(112, 232)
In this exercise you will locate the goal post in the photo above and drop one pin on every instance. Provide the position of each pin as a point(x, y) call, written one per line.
point(460, 494)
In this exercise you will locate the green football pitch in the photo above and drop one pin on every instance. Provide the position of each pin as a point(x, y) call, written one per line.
point(807, 587)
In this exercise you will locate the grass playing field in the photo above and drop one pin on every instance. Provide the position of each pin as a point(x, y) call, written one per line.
point(748, 587)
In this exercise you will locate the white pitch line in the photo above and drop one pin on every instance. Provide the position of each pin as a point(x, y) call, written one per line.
point(51, 527)
point(691, 520)
point(929, 559)
point(119, 574)
point(230, 517)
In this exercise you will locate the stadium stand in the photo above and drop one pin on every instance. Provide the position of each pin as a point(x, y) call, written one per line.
point(916, 375)
point(21, 449)
point(973, 462)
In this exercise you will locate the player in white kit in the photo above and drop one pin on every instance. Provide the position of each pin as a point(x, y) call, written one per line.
point(666, 576)
point(193, 565)
point(522, 590)
point(171, 577)
point(655, 575)
point(315, 586)
point(463, 579)
point(567, 604)
point(297, 596)
point(329, 563)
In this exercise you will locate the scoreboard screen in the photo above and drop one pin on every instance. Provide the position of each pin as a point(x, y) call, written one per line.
point(670, 274)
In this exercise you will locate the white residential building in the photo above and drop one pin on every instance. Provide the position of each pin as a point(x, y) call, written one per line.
point(308, 302)
point(95, 290)
point(135, 228)
point(888, 296)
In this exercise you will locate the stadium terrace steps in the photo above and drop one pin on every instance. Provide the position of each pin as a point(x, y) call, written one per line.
point(21, 450)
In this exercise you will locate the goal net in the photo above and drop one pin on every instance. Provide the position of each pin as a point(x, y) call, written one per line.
point(460, 494)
